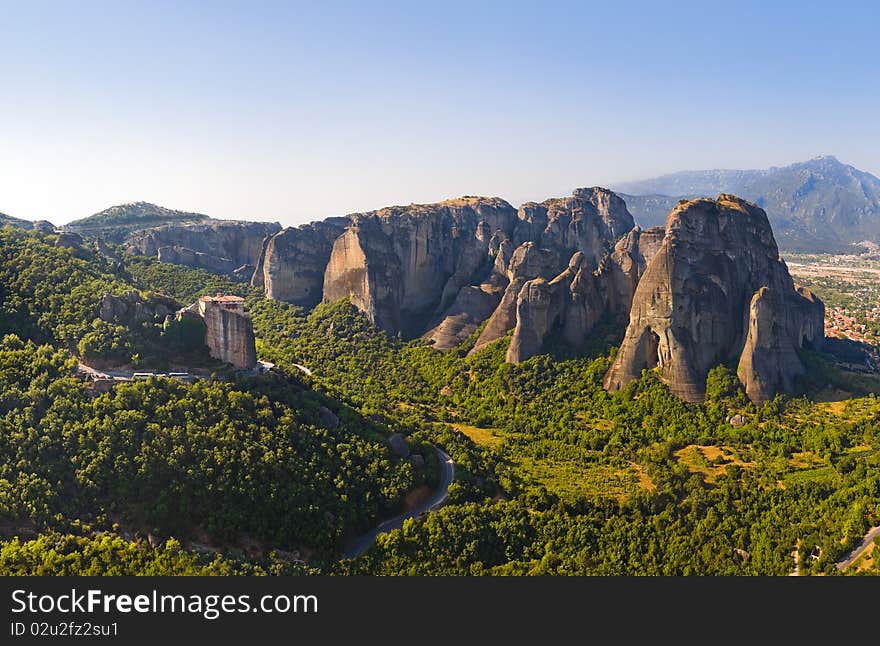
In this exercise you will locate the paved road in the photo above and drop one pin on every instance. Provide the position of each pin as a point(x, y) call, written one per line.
point(303, 369)
point(866, 544)
point(447, 474)
point(94, 372)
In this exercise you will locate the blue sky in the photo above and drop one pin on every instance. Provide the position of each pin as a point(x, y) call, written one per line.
point(294, 111)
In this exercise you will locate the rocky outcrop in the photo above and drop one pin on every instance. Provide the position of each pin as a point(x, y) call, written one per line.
point(577, 299)
point(539, 305)
point(716, 291)
point(779, 324)
point(400, 263)
point(587, 305)
point(185, 256)
point(364, 269)
point(133, 308)
point(293, 261)
point(528, 262)
point(220, 246)
point(589, 221)
point(69, 240)
point(622, 270)
point(443, 267)
point(474, 303)
point(229, 331)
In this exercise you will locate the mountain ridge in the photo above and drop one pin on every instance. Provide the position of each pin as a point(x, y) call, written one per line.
point(818, 205)
point(116, 222)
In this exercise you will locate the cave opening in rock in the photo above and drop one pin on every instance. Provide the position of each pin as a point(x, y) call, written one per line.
point(649, 350)
point(653, 350)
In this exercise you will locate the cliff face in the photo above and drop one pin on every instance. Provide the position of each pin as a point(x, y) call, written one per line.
point(707, 288)
point(474, 303)
point(715, 291)
point(444, 267)
point(220, 246)
point(292, 262)
point(230, 338)
point(399, 264)
point(364, 269)
point(779, 324)
point(229, 331)
point(577, 299)
point(623, 268)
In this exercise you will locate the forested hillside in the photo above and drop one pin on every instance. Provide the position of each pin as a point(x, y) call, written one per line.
point(252, 464)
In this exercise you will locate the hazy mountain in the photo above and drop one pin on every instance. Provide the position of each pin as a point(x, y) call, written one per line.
point(117, 222)
point(18, 223)
point(15, 222)
point(818, 205)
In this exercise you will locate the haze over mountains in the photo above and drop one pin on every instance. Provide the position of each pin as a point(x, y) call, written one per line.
point(820, 205)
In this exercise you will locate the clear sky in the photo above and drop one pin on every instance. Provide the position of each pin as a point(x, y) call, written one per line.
point(295, 111)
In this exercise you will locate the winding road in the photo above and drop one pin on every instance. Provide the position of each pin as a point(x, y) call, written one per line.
point(302, 369)
point(866, 544)
point(447, 475)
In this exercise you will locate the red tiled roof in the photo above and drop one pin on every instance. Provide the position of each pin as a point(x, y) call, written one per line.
point(221, 299)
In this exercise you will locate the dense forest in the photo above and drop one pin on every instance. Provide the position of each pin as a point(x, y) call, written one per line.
point(563, 477)
point(553, 474)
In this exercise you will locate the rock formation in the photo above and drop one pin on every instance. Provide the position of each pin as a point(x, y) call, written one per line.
point(364, 268)
point(229, 332)
point(220, 246)
point(185, 256)
point(293, 261)
point(716, 291)
point(539, 305)
point(474, 303)
point(578, 299)
point(779, 324)
point(707, 288)
point(69, 240)
point(133, 308)
point(588, 221)
point(398, 264)
point(444, 267)
point(528, 262)
point(623, 268)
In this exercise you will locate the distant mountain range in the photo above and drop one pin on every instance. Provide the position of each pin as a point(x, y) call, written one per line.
point(820, 205)
point(117, 222)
